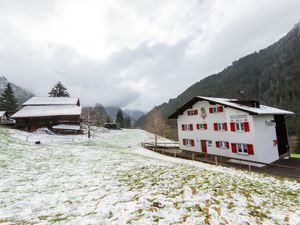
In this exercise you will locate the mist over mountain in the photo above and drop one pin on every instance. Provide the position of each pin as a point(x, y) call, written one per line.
point(271, 76)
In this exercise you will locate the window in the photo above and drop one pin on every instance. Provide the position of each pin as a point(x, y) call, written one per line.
point(220, 126)
point(216, 109)
point(192, 112)
point(222, 144)
point(188, 142)
point(187, 127)
point(240, 126)
point(242, 149)
point(209, 143)
point(201, 126)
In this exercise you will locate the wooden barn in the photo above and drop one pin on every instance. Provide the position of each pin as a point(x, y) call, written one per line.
point(50, 112)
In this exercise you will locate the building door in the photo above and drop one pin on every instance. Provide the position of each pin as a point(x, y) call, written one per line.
point(203, 146)
point(281, 134)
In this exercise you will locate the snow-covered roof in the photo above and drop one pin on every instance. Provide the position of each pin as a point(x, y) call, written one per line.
point(233, 103)
point(2, 113)
point(46, 110)
point(51, 101)
point(66, 127)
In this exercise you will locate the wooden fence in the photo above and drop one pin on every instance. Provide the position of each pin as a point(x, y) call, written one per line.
point(276, 168)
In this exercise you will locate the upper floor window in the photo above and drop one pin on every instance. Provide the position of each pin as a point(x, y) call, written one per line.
point(187, 127)
point(240, 126)
point(201, 126)
point(216, 109)
point(220, 126)
point(192, 112)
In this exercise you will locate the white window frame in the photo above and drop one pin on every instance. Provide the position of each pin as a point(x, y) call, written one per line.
point(201, 126)
point(239, 126)
point(188, 142)
point(242, 149)
point(209, 143)
point(187, 127)
point(221, 127)
point(223, 144)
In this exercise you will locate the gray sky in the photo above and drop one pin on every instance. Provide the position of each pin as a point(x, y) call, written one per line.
point(132, 53)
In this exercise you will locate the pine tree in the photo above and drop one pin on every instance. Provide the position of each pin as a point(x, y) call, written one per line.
point(127, 122)
point(59, 90)
point(8, 100)
point(120, 119)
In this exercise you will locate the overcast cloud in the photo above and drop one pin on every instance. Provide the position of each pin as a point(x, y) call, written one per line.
point(132, 53)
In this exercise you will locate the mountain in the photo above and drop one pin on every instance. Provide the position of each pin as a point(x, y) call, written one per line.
point(134, 115)
point(22, 95)
point(271, 76)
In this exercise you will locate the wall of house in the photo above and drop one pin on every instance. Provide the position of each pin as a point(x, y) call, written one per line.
point(259, 135)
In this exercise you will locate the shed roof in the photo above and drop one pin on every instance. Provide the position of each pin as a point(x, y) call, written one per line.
point(46, 111)
point(66, 127)
point(52, 101)
point(232, 103)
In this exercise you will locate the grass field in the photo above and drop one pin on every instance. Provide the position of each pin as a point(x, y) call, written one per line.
point(295, 155)
point(111, 180)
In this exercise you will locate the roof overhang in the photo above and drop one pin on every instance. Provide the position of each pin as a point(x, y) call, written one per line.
point(228, 103)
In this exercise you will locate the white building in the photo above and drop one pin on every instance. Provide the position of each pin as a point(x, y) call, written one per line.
point(232, 128)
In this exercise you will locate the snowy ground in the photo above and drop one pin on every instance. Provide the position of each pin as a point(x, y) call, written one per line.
point(111, 180)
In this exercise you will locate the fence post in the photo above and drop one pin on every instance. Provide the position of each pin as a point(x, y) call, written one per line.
point(175, 153)
point(193, 156)
point(216, 160)
point(249, 168)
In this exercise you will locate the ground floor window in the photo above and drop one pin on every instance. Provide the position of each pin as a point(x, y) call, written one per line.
point(188, 142)
point(242, 149)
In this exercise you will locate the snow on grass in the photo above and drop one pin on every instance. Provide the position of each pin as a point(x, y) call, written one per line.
point(110, 179)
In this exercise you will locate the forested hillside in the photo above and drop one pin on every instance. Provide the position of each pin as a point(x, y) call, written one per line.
point(271, 75)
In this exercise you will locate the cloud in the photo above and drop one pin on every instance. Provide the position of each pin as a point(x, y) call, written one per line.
point(136, 53)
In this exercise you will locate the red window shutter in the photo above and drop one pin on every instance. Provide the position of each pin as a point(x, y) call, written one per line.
point(217, 144)
point(227, 144)
point(211, 110)
point(232, 126)
point(215, 126)
point(191, 126)
point(192, 142)
point(198, 126)
point(220, 109)
point(246, 125)
point(250, 149)
point(225, 126)
point(196, 112)
point(183, 141)
point(205, 126)
point(189, 112)
point(182, 127)
point(233, 147)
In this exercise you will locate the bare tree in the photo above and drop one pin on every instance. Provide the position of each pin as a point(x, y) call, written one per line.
point(156, 124)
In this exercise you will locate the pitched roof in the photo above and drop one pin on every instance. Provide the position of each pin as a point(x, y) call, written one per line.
point(232, 103)
point(51, 101)
point(2, 113)
point(48, 110)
